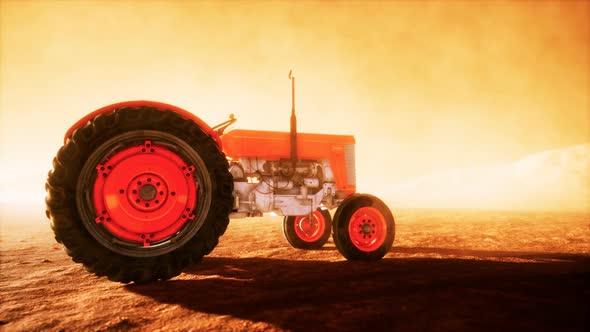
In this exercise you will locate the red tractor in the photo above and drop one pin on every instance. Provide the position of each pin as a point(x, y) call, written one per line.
point(140, 190)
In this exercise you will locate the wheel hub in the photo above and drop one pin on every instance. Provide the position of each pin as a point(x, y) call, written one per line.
point(367, 229)
point(147, 192)
point(307, 225)
point(144, 193)
point(310, 229)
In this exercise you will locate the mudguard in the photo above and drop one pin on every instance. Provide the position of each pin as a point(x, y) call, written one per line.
point(138, 103)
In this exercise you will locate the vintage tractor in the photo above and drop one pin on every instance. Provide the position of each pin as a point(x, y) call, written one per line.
point(140, 190)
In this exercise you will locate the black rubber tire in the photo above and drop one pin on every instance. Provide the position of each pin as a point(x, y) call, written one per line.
point(296, 242)
point(67, 219)
point(342, 219)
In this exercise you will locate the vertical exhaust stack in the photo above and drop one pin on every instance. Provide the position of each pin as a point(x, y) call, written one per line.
point(293, 122)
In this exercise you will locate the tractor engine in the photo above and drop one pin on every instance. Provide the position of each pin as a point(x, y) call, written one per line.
point(268, 185)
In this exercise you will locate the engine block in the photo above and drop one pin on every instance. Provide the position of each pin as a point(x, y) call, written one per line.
point(279, 186)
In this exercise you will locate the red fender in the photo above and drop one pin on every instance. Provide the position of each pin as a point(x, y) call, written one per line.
point(138, 103)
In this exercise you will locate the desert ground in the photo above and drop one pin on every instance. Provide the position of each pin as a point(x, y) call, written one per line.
point(449, 270)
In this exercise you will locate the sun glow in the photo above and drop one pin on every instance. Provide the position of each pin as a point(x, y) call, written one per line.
point(425, 87)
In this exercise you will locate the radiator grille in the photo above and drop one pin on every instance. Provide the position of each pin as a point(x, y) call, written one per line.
point(350, 163)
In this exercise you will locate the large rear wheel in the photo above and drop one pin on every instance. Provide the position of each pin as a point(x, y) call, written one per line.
point(364, 228)
point(138, 194)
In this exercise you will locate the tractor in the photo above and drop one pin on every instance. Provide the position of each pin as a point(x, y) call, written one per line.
point(141, 190)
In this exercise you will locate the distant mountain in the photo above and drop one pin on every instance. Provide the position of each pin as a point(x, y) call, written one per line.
point(550, 180)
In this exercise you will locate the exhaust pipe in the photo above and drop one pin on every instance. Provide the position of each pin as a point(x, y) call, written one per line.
point(293, 122)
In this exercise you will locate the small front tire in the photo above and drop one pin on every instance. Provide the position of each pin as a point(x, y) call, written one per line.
point(364, 228)
point(303, 233)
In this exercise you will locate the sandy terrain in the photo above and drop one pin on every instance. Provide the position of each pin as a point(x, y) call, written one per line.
point(448, 271)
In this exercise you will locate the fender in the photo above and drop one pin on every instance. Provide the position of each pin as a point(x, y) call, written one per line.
point(139, 103)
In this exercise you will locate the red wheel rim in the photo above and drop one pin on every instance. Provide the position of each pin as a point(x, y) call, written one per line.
point(367, 229)
point(310, 230)
point(144, 193)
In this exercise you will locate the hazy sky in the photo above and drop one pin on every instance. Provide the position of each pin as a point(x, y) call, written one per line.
point(424, 86)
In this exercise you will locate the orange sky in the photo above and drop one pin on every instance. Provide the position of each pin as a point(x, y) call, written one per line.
point(424, 86)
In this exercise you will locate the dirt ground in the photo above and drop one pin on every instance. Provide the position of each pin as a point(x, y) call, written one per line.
point(447, 271)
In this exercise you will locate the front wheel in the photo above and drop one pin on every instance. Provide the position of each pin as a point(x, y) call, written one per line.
point(364, 228)
point(303, 232)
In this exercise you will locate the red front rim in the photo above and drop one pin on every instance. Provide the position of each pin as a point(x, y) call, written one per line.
point(144, 193)
point(367, 229)
point(310, 230)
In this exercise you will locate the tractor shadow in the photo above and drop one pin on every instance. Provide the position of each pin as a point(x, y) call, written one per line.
point(534, 291)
